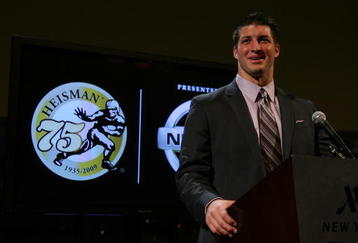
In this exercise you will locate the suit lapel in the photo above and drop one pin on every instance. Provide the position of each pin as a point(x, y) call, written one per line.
point(287, 121)
point(238, 104)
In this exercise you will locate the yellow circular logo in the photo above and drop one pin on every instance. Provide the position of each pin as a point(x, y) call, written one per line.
point(79, 131)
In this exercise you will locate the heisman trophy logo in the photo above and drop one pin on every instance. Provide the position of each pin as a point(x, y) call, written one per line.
point(79, 131)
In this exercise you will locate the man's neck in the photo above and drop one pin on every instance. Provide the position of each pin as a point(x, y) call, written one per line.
point(261, 80)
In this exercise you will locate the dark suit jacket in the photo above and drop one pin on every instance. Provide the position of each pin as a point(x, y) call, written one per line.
point(220, 154)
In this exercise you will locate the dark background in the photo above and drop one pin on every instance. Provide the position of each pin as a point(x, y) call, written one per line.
point(317, 61)
point(318, 51)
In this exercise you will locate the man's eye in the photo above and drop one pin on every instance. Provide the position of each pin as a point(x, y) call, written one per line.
point(245, 41)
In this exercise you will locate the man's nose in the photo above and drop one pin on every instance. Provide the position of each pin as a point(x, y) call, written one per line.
point(256, 46)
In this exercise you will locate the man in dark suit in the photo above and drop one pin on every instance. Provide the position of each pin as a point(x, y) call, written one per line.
point(224, 150)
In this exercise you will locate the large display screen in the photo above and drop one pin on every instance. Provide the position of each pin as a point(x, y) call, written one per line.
point(97, 130)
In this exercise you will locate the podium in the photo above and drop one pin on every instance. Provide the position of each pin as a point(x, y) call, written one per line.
point(306, 200)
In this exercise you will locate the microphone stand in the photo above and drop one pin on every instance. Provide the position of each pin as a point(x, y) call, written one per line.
point(343, 152)
point(334, 150)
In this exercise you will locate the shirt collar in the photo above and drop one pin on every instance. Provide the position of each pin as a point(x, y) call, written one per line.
point(251, 89)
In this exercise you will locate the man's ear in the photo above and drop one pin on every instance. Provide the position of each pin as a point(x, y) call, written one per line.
point(235, 53)
point(277, 49)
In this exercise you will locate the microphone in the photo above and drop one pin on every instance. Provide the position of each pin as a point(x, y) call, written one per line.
point(319, 118)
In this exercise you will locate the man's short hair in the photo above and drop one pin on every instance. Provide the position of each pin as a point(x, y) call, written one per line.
point(257, 18)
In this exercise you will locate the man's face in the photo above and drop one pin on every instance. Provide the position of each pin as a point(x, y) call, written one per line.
point(256, 51)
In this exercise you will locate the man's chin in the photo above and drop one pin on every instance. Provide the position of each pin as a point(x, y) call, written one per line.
point(256, 73)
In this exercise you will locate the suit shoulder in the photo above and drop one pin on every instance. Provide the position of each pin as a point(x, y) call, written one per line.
point(214, 96)
point(298, 101)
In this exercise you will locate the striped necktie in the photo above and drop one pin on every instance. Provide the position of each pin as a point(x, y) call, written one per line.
point(269, 136)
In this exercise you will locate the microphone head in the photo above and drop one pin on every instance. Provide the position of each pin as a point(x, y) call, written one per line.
point(318, 117)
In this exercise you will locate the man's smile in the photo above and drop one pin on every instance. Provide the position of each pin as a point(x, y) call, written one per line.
point(256, 59)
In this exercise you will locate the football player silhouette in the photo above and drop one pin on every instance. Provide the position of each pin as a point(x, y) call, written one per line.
point(106, 122)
